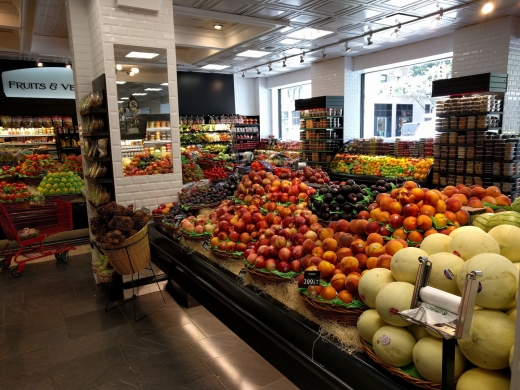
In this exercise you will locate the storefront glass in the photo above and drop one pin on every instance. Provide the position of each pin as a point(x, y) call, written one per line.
point(398, 100)
point(290, 119)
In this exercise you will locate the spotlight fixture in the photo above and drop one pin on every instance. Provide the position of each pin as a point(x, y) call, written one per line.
point(369, 40)
point(39, 63)
point(323, 54)
point(437, 20)
point(488, 7)
point(284, 59)
point(67, 65)
point(395, 33)
point(270, 67)
point(347, 49)
point(244, 73)
point(217, 26)
point(119, 67)
point(131, 74)
point(257, 71)
point(134, 70)
point(301, 59)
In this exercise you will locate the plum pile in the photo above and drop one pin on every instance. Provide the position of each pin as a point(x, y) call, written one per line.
point(230, 185)
point(209, 196)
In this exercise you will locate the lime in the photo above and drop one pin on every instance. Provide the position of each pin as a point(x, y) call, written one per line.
point(61, 185)
point(58, 191)
point(63, 180)
point(55, 186)
point(62, 173)
point(68, 185)
point(48, 185)
point(51, 191)
point(65, 190)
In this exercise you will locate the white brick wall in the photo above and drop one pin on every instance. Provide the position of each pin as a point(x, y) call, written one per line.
point(101, 26)
point(328, 77)
point(352, 109)
point(246, 96)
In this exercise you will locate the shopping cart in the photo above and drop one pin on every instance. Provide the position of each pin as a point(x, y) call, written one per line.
point(47, 218)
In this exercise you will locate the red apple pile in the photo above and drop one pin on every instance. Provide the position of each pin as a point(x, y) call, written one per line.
point(312, 175)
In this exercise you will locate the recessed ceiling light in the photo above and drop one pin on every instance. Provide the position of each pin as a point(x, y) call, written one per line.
point(153, 89)
point(134, 70)
point(285, 29)
point(120, 82)
point(214, 67)
point(120, 101)
point(309, 33)
point(139, 94)
point(289, 41)
point(39, 64)
point(164, 83)
point(488, 7)
point(217, 26)
point(124, 98)
point(138, 54)
point(119, 66)
point(253, 53)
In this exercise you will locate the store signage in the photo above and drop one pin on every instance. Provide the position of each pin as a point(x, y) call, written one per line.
point(39, 83)
point(311, 278)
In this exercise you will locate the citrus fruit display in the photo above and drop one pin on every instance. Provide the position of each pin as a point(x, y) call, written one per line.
point(61, 183)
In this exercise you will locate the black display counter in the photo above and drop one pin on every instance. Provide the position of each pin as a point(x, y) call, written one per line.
point(289, 341)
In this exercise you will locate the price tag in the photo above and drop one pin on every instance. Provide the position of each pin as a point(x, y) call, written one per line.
point(146, 210)
point(206, 245)
point(311, 278)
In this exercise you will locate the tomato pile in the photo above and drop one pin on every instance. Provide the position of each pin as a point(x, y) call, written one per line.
point(215, 173)
point(14, 192)
point(7, 171)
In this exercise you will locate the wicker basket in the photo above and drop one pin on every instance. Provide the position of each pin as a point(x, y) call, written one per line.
point(327, 312)
point(264, 278)
point(204, 206)
point(132, 255)
point(194, 238)
point(224, 255)
point(157, 219)
point(169, 229)
point(397, 372)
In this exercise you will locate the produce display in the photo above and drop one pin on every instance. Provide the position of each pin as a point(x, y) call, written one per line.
point(198, 227)
point(190, 170)
point(147, 164)
point(61, 183)
point(36, 165)
point(384, 166)
point(203, 197)
point(72, 164)
point(114, 223)
point(216, 173)
point(7, 171)
point(14, 192)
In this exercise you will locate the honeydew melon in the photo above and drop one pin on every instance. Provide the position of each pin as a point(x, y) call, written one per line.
point(394, 345)
point(470, 243)
point(436, 243)
point(368, 323)
point(491, 336)
point(427, 357)
point(371, 283)
point(508, 238)
point(404, 264)
point(418, 332)
point(499, 280)
point(511, 353)
point(393, 298)
point(445, 268)
point(480, 379)
point(463, 229)
point(512, 314)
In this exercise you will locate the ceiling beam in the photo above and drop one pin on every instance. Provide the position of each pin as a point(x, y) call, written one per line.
point(28, 16)
point(202, 13)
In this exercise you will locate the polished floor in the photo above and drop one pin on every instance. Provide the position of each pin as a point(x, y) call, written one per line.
point(55, 335)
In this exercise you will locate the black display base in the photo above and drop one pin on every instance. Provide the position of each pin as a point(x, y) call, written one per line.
point(290, 342)
point(181, 296)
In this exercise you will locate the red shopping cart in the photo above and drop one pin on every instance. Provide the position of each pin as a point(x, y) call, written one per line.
point(44, 220)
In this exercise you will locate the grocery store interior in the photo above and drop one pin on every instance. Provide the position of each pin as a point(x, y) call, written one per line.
point(259, 194)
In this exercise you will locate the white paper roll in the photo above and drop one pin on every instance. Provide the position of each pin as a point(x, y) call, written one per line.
point(440, 298)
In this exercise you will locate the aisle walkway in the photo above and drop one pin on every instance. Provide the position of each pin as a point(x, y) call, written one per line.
point(55, 335)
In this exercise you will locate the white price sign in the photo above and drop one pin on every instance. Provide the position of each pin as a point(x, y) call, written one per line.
point(40, 83)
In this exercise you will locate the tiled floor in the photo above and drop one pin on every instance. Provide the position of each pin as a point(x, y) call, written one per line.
point(55, 335)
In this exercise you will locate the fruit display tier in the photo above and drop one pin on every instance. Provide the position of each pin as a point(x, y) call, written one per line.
point(281, 335)
point(246, 136)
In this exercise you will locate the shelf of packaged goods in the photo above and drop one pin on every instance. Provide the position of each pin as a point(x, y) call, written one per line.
point(70, 147)
point(322, 140)
point(319, 117)
point(99, 134)
point(204, 132)
point(158, 128)
point(97, 159)
point(501, 160)
point(322, 128)
point(462, 130)
point(26, 135)
point(246, 132)
point(165, 141)
point(471, 114)
point(277, 150)
point(495, 177)
point(205, 143)
point(98, 110)
point(246, 124)
point(28, 145)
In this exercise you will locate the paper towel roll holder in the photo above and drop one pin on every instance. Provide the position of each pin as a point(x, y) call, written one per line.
point(450, 331)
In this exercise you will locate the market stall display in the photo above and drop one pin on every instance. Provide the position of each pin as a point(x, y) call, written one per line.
point(61, 183)
point(190, 170)
point(148, 164)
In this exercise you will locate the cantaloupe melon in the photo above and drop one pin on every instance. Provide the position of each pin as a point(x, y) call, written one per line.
point(480, 221)
point(508, 238)
point(394, 345)
point(445, 268)
point(371, 283)
point(433, 334)
point(468, 244)
point(436, 243)
point(512, 314)
point(404, 264)
point(511, 355)
point(463, 229)
point(480, 379)
point(368, 323)
point(427, 357)
point(491, 336)
point(393, 298)
point(499, 280)
point(418, 332)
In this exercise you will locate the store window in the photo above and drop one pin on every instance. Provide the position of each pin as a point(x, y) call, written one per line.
point(401, 96)
point(289, 118)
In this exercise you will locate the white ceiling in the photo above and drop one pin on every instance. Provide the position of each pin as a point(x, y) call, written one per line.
point(263, 25)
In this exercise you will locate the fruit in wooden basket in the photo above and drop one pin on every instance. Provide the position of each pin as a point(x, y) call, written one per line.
point(508, 238)
point(471, 243)
point(393, 298)
point(394, 345)
point(368, 324)
point(481, 379)
point(371, 283)
point(405, 263)
point(436, 243)
point(445, 268)
point(427, 357)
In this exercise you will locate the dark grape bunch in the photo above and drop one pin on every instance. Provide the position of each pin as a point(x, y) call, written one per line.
point(231, 185)
point(212, 195)
point(177, 214)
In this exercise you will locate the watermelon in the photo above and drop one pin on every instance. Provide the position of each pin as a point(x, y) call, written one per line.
point(481, 221)
point(516, 205)
point(504, 218)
